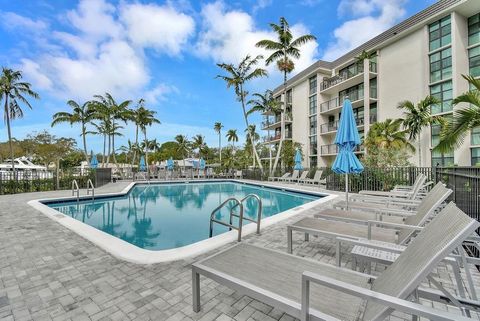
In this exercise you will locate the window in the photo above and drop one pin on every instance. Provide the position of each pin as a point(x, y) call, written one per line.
point(441, 65)
point(475, 154)
point(313, 85)
point(373, 113)
point(359, 115)
point(312, 102)
point(313, 145)
point(313, 125)
point(474, 61)
point(440, 33)
point(439, 159)
point(351, 70)
point(443, 92)
point(313, 161)
point(475, 136)
point(353, 93)
point(474, 29)
point(289, 97)
point(373, 88)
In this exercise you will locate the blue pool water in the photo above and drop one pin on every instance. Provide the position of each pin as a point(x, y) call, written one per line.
point(165, 216)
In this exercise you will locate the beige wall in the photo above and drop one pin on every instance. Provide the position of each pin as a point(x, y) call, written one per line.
point(300, 117)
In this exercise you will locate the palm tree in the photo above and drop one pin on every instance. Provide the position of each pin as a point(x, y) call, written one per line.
point(416, 118)
point(134, 118)
point(388, 134)
point(80, 114)
point(218, 129)
point(146, 118)
point(283, 49)
point(454, 130)
point(237, 77)
point(265, 104)
point(13, 90)
point(183, 146)
point(252, 136)
point(199, 143)
point(232, 137)
point(364, 55)
point(115, 113)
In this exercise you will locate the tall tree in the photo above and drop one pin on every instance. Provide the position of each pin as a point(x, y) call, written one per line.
point(218, 129)
point(117, 112)
point(134, 118)
point(237, 77)
point(146, 118)
point(416, 118)
point(284, 48)
point(465, 119)
point(252, 136)
point(232, 137)
point(265, 104)
point(80, 114)
point(14, 91)
point(199, 143)
point(183, 146)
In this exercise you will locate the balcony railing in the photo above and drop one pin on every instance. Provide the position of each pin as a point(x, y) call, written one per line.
point(333, 126)
point(373, 119)
point(341, 77)
point(332, 149)
point(276, 120)
point(373, 66)
point(270, 138)
point(337, 102)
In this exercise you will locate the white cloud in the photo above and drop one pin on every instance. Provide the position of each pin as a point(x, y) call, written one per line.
point(373, 17)
point(32, 70)
point(159, 93)
point(229, 35)
point(12, 20)
point(160, 27)
point(261, 4)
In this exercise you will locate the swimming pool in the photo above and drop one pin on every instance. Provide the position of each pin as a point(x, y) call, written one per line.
point(168, 217)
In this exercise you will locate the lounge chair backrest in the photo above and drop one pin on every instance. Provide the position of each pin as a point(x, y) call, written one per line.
point(417, 186)
point(437, 240)
point(286, 175)
point(437, 195)
point(304, 175)
point(318, 175)
point(295, 174)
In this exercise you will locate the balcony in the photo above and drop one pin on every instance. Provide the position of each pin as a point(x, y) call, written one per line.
point(333, 126)
point(275, 122)
point(335, 103)
point(276, 137)
point(332, 149)
point(342, 78)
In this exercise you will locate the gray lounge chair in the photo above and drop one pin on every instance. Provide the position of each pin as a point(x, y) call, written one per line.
point(404, 193)
point(311, 290)
point(336, 226)
point(432, 201)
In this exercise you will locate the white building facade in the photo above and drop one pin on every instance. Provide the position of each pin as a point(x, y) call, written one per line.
point(424, 55)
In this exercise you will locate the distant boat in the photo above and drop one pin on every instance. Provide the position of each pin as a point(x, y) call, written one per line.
point(24, 169)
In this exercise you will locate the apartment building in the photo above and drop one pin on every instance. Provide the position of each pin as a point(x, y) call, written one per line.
point(425, 54)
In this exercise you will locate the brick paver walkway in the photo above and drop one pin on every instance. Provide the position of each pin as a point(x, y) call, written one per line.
point(48, 272)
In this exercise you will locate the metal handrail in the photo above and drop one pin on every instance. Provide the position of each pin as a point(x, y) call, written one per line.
point(259, 210)
point(75, 189)
point(90, 187)
point(230, 226)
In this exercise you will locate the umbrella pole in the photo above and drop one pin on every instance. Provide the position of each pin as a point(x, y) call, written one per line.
point(346, 189)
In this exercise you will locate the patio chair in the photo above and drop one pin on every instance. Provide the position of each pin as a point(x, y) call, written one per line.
point(432, 201)
point(399, 233)
point(302, 177)
point(317, 179)
point(294, 177)
point(310, 290)
point(238, 174)
point(276, 178)
point(410, 193)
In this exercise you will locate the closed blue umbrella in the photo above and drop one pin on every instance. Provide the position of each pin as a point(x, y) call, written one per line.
point(93, 161)
point(298, 160)
point(347, 140)
point(143, 166)
point(170, 164)
point(202, 164)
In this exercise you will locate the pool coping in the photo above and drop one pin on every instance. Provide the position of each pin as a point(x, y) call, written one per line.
point(131, 253)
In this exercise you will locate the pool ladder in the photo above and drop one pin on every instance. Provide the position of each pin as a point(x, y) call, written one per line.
point(76, 189)
point(238, 203)
point(91, 188)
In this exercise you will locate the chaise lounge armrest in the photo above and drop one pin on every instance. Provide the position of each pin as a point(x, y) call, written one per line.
point(373, 296)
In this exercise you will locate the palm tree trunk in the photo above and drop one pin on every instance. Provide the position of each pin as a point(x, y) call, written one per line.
point(419, 151)
point(7, 118)
point(220, 145)
point(104, 149)
point(136, 144)
point(282, 120)
point(108, 151)
point(246, 123)
point(84, 141)
point(146, 153)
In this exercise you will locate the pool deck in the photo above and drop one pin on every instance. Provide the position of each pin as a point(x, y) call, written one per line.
point(48, 272)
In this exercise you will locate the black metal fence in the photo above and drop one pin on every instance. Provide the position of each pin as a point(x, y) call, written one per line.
point(38, 181)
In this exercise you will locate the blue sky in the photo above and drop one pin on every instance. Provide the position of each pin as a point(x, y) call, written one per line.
point(166, 52)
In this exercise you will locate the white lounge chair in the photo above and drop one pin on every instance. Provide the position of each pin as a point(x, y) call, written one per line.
point(410, 193)
point(276, 178)
point(317, 179)
point(310, 290)
point(238, 174)
point(292, 178)
point(302, 177)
